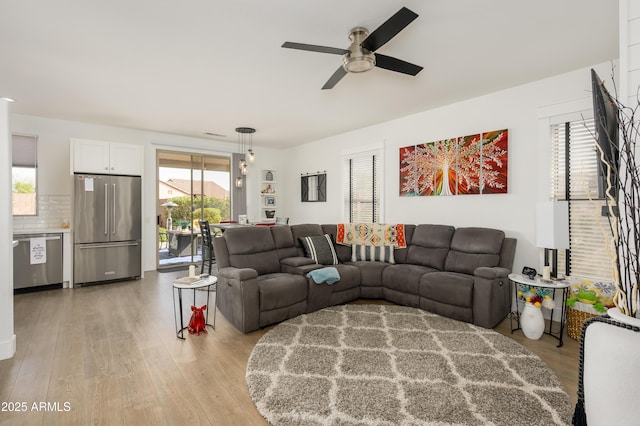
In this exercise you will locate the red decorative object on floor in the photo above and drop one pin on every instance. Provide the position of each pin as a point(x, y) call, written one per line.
point(197, 323)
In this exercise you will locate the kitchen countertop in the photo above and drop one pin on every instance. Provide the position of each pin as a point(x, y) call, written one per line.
point(41, 231)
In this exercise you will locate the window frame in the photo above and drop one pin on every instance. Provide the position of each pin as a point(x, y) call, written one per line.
point(25, 163)
point(364, 153)
point(586, 257)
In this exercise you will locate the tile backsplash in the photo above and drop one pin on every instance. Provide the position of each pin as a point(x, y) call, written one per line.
point(53, 211)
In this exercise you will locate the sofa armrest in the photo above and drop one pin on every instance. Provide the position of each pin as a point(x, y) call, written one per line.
point(491, 296)
point(238, 297)
point(298, 265)
point(491, 273)
point(241, 274)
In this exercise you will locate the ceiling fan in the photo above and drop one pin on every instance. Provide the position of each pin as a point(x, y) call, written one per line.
point(360, 56)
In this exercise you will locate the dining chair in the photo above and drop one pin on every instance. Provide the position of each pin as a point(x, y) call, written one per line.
point(207, 245)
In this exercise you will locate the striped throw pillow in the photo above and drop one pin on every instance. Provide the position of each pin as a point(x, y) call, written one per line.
point(320, 249)
point(372, 253)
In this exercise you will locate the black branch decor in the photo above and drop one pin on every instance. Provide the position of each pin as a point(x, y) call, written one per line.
point(617, 132)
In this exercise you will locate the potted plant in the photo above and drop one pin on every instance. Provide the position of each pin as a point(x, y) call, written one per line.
point(586, 300)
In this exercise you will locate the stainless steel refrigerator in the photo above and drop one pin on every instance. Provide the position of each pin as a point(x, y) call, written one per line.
point(107, 228)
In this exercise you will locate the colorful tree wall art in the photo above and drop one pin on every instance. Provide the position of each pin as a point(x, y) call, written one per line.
point(474, 164)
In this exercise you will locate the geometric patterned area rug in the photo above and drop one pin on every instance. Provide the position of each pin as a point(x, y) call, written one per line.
point(390, 365)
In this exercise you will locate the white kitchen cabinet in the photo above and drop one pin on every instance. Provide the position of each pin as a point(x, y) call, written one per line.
point(91, 156)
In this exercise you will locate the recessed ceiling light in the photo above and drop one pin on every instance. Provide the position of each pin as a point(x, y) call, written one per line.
point(8, 99)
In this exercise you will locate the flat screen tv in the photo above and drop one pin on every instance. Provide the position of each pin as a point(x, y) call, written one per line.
point(605, 113)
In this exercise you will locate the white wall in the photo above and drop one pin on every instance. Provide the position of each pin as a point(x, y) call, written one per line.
point(7, 336)
point(54, 170)
point(517, 109)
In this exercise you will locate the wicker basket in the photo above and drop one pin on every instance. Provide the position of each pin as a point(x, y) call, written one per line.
point(575, 319)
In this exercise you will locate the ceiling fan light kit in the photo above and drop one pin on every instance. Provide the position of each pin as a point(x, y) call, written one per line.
point(360, 56)
point(358, 59)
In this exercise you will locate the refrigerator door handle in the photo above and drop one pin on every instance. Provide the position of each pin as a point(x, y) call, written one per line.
point(106, 210)
point(113, 224)
point(26, 240)
point(102, 245)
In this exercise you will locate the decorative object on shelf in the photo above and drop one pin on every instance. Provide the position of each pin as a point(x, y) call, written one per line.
point(538, 296)
point(313, 187)
point(532, 320)
point(453, 166)
point(552, 233)
point(269, 201)
point(268, 176)
point(270, 214)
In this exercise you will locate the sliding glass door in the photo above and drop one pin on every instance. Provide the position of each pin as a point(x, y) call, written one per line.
point(190, 187)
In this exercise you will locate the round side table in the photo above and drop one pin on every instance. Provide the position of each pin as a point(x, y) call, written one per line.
point(516, 279)
point(207, 284)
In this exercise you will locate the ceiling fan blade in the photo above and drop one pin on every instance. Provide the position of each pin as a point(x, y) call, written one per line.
point(389, 29)
point(335, 78)
point(314, 48)
point(397, 65)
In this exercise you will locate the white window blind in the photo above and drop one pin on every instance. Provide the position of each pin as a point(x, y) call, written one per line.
point(362, 188)
point(589, 231)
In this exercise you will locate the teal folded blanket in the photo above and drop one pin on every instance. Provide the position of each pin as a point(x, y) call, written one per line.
point(328, 275)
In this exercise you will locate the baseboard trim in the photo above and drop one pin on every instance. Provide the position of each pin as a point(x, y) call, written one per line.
point(8, 348)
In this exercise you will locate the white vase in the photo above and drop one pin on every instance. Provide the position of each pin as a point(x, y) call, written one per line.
point(532, 321)
point(611, 372)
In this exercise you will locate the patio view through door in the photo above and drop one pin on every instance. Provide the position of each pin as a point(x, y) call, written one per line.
point(190, 187)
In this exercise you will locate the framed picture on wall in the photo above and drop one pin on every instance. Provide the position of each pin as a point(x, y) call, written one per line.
point(270, 201)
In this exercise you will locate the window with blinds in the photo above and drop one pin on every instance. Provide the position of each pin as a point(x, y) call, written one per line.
point(362, 188)
point(24, 156)
point(574, 177)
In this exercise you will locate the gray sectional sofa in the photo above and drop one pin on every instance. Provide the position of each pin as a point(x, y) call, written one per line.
point(458, 273)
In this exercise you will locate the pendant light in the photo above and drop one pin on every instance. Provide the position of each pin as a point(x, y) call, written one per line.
point(245, 140)
point(245, 144)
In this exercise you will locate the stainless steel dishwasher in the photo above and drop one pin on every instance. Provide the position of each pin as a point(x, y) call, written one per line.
point(37, 261)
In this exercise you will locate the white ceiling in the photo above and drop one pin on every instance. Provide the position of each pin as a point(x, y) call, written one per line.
point(195, 66)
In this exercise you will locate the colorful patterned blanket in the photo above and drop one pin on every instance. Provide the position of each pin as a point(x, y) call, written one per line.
point(371, 234)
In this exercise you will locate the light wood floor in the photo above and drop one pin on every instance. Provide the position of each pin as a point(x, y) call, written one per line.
point(110, 353)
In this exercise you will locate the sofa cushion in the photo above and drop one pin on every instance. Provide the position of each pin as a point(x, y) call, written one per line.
point(284, 242)
point(472, 248)
point(430, 245)
point(252, 247)
point(449, 288)
point(279, 290)
point(320, 249)
point(404, 277)
point(370, 272)
point(372, 253)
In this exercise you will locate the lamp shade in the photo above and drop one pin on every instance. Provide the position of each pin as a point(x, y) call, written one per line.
point(552, 224)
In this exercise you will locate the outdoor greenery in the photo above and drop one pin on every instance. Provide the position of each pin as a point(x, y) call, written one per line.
point(215, 209)
point(23, 187)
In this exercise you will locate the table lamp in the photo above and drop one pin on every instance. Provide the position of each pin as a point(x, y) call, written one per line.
point(552, 232)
